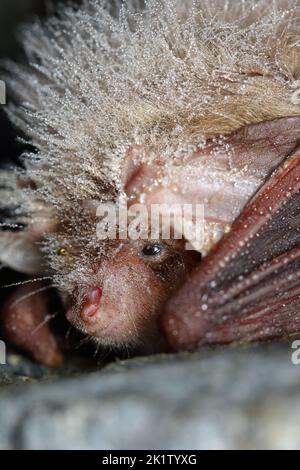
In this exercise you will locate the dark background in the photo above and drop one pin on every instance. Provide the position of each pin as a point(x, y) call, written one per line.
point(14, 13)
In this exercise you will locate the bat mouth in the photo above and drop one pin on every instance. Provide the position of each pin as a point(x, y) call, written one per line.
point(248, 287)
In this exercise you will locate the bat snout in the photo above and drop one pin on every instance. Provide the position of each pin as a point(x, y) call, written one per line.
point(91, 306)
point(89, 313)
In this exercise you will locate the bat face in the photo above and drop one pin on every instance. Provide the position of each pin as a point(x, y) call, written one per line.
point(130, 289)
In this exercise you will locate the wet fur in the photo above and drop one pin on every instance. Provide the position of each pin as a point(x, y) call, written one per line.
point(102, 80)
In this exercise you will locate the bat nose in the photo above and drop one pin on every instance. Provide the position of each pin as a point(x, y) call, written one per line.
point(91, 304)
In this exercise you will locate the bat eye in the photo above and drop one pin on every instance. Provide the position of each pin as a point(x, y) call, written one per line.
point(152, 249)
point(62, 251)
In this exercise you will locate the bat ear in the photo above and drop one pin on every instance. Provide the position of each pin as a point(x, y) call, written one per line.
point(248, 287)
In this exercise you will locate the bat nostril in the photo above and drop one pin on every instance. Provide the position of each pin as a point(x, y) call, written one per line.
point(89, 311)
point(92, 304)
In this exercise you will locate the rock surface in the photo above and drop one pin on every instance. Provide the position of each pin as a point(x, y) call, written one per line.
point(222, 399)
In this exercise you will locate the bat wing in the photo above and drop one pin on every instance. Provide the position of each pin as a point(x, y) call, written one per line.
point(248, 287)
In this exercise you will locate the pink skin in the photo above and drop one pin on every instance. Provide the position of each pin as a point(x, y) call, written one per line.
point(92, 304)
point(24, 322)
point(248, 287)
point(222, 177)
point(122, 304)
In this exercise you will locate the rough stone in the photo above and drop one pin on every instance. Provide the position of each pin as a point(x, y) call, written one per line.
point(222, 399)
